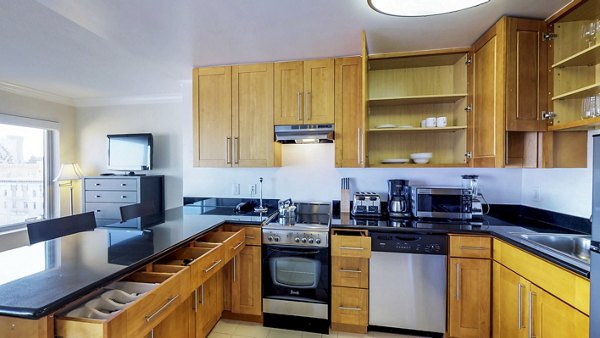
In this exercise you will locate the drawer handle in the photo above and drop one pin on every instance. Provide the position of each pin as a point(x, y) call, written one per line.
point(97, 184)
point(237, 246)
point(250, 237)
point(123, 184)
point(98, 196)
point(213, 266)
point(466, 247)
point(170, 301)
point(350, 248)
point(351, 271)
point(349, 308)
point(98, 210)
point(123, 196)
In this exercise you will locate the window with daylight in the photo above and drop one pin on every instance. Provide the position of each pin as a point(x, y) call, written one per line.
point(23, 174)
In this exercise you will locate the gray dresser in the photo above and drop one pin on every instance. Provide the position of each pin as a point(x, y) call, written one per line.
point(104, 195)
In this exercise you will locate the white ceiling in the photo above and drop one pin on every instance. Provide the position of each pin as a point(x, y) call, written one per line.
point(90, 49)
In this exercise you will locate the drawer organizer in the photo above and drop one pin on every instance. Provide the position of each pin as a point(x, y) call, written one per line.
point(131, 306)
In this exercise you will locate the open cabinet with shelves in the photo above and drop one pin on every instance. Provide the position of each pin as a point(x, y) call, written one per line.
point(406, 88)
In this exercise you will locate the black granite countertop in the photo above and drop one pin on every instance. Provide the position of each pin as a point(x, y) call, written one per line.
point(508, 231)
point(74, 265)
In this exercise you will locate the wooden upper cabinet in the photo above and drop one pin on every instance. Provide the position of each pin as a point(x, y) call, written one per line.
point(304, 92)
point(212, 116)
point(289, 92)
point(509, 84)
point(349, 113)
point(487, 118)
point(527, 75)
point(252, 116)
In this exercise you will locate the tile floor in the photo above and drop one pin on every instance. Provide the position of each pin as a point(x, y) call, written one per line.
point(227, 328)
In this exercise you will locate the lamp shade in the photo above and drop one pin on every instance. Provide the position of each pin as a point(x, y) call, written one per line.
point(68, 172)
point(422, 8)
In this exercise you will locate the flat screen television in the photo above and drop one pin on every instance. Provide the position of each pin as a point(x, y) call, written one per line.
point(130, 152)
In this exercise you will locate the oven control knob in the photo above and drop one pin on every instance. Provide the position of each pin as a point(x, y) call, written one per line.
point(304, 240)
point(318, 241)
point(270, 238)
point(297, 239)
point(276, 238)
point(310, 241)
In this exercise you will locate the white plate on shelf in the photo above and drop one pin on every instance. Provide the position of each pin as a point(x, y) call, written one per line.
point(386, 126)
point(394, 160)
point(406, 126)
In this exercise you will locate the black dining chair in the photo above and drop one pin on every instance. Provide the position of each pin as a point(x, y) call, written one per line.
point(131, 211)
point(58, 227)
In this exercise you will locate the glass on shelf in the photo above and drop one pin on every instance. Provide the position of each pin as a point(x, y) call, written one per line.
point(588, 32)
point(591, 107)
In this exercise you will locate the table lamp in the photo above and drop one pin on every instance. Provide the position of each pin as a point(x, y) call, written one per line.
point(68, 173)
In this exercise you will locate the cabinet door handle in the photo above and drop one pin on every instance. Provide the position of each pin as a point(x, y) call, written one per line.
point(234, 268)
point(531, 294)
point(195, 300)
point(519, 322)
point(359, 144)
point(457, 281)
point(202, 294)
point(350, 271)
point(466, 247)
point(350, 248)
point(308, 114)
point(299, 104)
point(170, 301)
point(212, 266)
point(237, 246)
point(236, 152)
point(349, 308)
point(228, 149)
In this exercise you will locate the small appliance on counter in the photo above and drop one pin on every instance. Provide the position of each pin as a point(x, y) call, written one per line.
point(443, 202)
point(366, 204)
point(399, 199)
point(472, 182)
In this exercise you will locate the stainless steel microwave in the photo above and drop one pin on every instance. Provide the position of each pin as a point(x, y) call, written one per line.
point(452, 203)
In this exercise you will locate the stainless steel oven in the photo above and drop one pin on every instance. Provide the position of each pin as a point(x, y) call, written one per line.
point(452, 203)
point(295, 278)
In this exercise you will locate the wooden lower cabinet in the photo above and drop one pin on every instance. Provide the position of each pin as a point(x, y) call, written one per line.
point(349, 308)
point(177, 324)
point(246, 295)
point(11, 327)
point(210, 305)
point(469, 297)
point(522, 309)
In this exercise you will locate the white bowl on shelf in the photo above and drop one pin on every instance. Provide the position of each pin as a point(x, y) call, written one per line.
point(421, 158)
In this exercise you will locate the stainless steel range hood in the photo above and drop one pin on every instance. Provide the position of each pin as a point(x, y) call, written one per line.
point(304, 133)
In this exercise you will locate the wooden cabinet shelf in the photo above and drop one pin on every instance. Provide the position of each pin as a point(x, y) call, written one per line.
point(579, 93)
point(415, 165)
point(587, 57)
point(584, 124)
point(419, 130)
point(417, 99)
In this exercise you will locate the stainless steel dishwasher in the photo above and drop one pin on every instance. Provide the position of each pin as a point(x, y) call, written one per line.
point(407, 281)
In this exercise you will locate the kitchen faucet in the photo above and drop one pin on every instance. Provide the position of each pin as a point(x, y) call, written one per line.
point(261, 208)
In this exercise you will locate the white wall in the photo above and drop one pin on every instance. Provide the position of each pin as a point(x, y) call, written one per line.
point(563, 190)
point(163, 120)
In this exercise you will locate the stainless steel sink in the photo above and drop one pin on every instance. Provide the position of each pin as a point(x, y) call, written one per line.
point(574, 246)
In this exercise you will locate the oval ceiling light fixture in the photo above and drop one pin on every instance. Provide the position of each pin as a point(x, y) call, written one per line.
point(422, 7)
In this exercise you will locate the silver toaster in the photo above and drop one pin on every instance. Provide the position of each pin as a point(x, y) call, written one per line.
point(366, 204)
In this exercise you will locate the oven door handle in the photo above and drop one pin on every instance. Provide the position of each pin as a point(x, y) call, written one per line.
point(314, 252)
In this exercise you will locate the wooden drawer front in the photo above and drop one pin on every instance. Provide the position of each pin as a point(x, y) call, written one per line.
point(350, 272)
point(157, 304)
point(470, 246)
point(569, 287)
point(351, 246)
point(119, 184)
point(105, 210)
point(253, 233)
point(206, 266)
point(233, 242)
point(111, 196)
point(350, 306)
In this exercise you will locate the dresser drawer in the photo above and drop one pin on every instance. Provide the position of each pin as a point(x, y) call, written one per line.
point(203, 261)
point(126, 197)
point(106, 210)
point(233, 242)
point(350, 306)
point(253, 233)
point(351, 246)
point(470, 246)
point(350, 272)
point(160, 289)
point(118, 184)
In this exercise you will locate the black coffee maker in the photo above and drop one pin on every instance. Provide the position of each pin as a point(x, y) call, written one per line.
point(399, 198)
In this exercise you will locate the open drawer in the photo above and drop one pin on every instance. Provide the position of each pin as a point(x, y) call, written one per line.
point(232, 242)
point(204, 261)
point(130, 307)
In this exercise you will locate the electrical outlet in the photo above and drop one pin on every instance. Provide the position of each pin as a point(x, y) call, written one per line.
point(252, 189)
point(537, 194)
point(235, 188)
